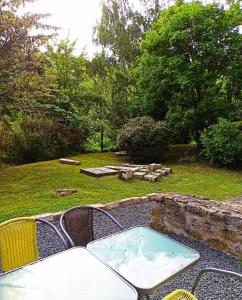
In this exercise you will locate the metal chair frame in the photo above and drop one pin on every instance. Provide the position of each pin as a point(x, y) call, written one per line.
point(65, 244)
point(62, 221)
point(213, 270)
point(200, 275)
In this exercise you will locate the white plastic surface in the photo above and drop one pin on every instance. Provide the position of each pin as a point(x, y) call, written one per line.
point(74, 274)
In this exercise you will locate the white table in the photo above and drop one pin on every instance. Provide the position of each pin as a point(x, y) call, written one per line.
point(144, 257)
point(74, 274)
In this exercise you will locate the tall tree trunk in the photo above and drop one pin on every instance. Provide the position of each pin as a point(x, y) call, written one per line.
point(101, 139)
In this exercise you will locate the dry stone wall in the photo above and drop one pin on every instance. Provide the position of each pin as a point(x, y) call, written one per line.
point(215, 223)
point(218, 224)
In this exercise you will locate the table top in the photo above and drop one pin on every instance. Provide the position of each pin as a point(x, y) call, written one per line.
point(144, 257)
point(74, 274)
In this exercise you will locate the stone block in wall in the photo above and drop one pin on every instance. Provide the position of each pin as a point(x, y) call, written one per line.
point(46, 217)
point(197, 218)
point(111, 205)
point(216, 243)
point(130, 201)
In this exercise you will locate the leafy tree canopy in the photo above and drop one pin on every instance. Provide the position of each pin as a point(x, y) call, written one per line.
point(21, 63)
point(191, 65)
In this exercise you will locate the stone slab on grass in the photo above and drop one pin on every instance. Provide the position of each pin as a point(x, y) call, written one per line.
point(135, 166)
point(128, 175)
point(122, 168)
point(139, 175)
point(65, 192)
point(154, 167)
point(145, 170)
point(121, 153)
point(169, 170)
point(69, 162)
point(162, 172)
point(99, 172)
point(152, 178)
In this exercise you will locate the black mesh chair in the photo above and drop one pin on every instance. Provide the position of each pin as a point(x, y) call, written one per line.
point(77, 224)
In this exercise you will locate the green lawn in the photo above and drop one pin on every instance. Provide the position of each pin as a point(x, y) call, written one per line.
point(29, 189)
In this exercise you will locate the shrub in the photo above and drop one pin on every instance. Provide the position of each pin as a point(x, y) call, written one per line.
point(144, 140)
point(222, 144)
point(37, 139)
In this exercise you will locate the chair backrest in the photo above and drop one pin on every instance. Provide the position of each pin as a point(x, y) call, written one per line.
point(18, 242)
point(78, 224)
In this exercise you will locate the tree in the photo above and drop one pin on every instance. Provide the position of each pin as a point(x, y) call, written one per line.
point(67, 71)
point(101, 113)
point(70, 83)
point(119, 33)
point(22, 81)
point(191, 65)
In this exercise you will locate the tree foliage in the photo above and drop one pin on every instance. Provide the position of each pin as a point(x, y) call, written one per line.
point(191, 65)
point(21, 63)
point(119, 33)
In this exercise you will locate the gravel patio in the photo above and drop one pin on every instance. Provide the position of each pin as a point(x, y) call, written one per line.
point(213, 287)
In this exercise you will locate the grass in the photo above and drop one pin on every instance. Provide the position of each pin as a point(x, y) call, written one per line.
point(30, 189)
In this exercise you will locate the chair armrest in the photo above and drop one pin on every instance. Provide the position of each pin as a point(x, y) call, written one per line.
point(213, 270)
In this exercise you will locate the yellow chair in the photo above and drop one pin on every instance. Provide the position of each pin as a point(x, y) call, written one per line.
point(18, 242)
point(185, 295)
point(180, 295)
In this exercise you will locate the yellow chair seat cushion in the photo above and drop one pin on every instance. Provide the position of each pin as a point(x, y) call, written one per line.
point(180, 295)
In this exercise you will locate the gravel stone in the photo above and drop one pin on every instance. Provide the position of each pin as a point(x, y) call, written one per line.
point(212, 287)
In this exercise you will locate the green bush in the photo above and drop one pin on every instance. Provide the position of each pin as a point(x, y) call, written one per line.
point(144, 140)
point(36, 139)
point(222, 144)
